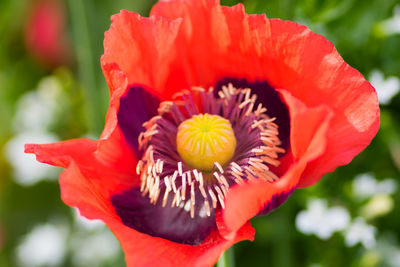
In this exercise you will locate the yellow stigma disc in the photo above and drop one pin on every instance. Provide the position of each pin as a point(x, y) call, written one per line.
point(205, 139)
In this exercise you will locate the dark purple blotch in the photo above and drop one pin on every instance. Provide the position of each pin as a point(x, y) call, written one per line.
point(270, 98)
point(276, 201)
point(174, 224)
point(137, 106)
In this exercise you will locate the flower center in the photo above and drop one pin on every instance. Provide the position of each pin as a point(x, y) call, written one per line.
point(201, 144)
point(205, 139)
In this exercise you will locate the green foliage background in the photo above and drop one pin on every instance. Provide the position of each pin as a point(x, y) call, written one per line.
point(357, 29)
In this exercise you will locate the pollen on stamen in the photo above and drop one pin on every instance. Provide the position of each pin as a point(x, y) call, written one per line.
point(199, 187)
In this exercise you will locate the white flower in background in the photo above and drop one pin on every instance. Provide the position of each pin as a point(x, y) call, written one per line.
point(365, 186)
point(35, 112)
point(360, 232)
point(36, 109)
point(386, 88)
point(392, 25)
point(388, 247)
point(91, 250)
point(320, 220)
point(86, 224)
point(27, 170)
point(394, 259)
point(92, 243)
point(43, 246)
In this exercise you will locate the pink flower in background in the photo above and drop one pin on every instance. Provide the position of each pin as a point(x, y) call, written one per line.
point(45, 33)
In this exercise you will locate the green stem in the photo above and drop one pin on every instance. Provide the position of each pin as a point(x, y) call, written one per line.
point(86, 65)
point(227, 259)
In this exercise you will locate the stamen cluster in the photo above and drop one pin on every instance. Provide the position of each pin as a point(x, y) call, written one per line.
point(163, 172)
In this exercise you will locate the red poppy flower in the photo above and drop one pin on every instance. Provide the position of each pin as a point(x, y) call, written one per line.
point(215, 116)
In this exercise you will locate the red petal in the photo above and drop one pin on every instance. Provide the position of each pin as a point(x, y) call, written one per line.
point(217, 42)
point(87, 185)
point(60, 154)
point(211, 42)
point(308, 134)
point(305, 124)
point(80, 153)
point(112, 148)
point(315, 73)
point(143, 250)
point(115, 152)
point(141, 47)
point(115, 77)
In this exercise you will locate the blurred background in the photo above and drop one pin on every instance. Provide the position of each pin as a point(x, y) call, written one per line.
point(52, 88)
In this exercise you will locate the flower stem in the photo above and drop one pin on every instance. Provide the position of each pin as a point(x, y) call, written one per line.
point(227, 259)
point(85, 64)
